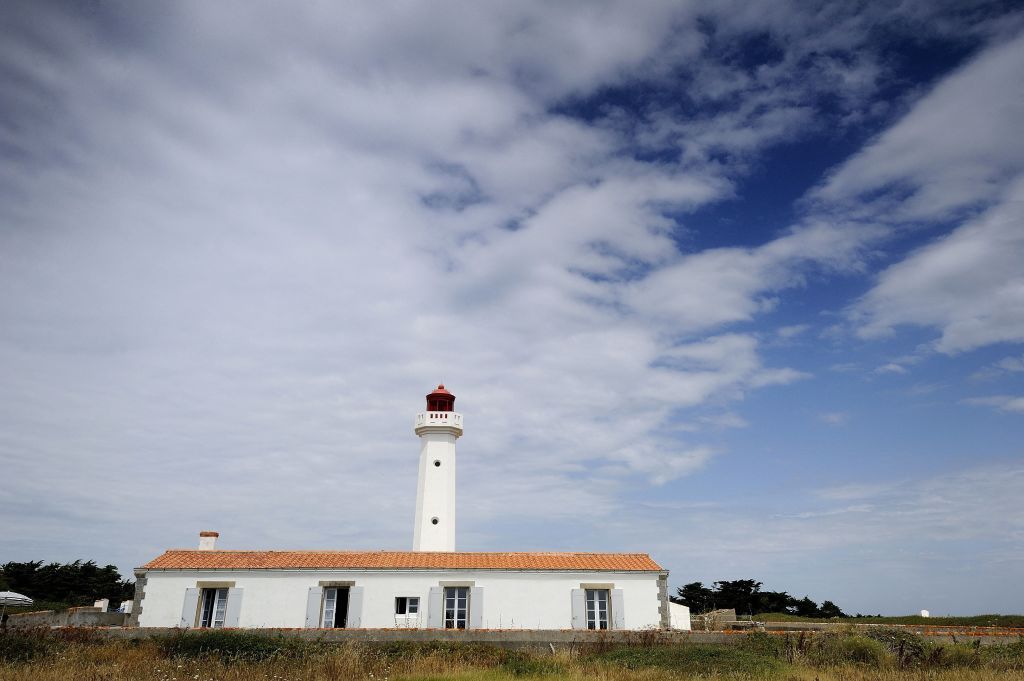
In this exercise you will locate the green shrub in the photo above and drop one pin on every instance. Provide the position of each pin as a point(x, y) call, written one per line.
point(764, 644)
point(1003, 657)
point(954, 655)
point(24, 645)
point(520, 663)
point(232, 646)
point(694, 658)
point(477, 654)
point(909, 648)
point(847, 649)
point(515, 662)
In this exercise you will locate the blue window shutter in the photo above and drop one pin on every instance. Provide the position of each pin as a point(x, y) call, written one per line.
point(234, 608)
point(579, 609)
point(355, 607)
point(435, 608)
point(618, 613)
point(476, 607)
point(313, 602)
point(190, 608)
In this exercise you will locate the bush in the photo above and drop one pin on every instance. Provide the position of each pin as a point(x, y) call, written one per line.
point(694, 658)
point(909, 648)
point(954, 655)
point(24, 645)
point(515, 662)
point(520, 663)
point(764, 644)
point(478, 654)
point(849, 649)
point(1006, 657)
point(233, 646)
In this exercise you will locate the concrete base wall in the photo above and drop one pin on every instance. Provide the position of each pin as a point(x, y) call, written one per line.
point(72, 617)
point(538, 640)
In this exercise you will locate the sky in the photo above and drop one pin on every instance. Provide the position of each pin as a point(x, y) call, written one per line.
point(740, 285)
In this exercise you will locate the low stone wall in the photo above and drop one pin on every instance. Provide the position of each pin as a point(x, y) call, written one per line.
point(535, 639)
point(541, 640)
point(88, 616)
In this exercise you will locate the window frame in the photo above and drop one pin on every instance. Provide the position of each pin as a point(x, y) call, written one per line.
point(329, 603)
point(410, 606)
point(597, 617)
point(213, 607)
point(460, 615)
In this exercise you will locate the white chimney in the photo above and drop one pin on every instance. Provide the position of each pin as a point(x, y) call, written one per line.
point(208, 540)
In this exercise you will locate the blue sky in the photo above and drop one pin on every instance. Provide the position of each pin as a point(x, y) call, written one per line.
point(738, 285)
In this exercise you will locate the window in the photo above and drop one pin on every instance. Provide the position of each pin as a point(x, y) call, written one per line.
point(407, 605)
point(335, 608)
point(597, 608)
point(214, 607)
point(456, 606)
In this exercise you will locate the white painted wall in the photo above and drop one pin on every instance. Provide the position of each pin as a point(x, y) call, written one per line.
point(435, 491)
point(511, 599)
point(680, 616)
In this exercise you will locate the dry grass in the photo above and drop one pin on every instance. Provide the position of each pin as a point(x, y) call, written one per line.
point(91, 659)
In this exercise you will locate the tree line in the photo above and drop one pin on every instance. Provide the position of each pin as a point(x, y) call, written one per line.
point(77, 583)
point(746, 598)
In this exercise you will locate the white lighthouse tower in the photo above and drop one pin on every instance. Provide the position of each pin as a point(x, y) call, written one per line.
point(438, 427)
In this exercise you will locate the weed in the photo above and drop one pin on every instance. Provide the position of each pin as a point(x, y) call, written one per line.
point(694, 659)
point(234, 646)
point(23, 645)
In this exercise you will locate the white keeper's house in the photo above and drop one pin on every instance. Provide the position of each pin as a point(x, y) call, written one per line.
point(432, 586)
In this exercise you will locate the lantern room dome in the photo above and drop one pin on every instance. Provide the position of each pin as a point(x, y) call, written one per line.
point(440, 399)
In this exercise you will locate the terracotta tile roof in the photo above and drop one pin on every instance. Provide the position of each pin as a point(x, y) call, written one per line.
point(182, 559)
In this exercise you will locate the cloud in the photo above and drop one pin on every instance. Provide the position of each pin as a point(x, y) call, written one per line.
point(920, 170)
point(968, 284)
point(237, 251)
point(1007, 365)
point(914, 527)
point(792, 331)
point(834, 418)
point(1008, 403)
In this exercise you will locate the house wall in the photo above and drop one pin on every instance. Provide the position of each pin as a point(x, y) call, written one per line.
point(511, 599)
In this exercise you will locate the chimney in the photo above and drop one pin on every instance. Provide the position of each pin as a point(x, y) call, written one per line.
point(208, 540)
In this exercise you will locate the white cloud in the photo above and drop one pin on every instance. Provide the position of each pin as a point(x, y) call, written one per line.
point(957, 148)
point(834, 418)
point(1007, 365)
point(969, 284)
point(1008, 403)
point(911, 531)
point(229, 270)
point(792, 331)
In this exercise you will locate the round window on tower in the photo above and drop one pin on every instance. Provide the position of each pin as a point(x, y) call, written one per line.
point(437, 462)
point(434, 521)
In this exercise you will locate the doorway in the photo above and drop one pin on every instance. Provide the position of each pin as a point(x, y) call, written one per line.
point(335, 611)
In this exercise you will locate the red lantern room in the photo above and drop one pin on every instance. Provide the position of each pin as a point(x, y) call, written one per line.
point(440, 400)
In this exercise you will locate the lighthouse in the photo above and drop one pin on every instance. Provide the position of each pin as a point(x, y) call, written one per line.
point(438, 428)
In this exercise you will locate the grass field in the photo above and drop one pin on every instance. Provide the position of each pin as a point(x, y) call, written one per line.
point(233, 656)
point(973, 621)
